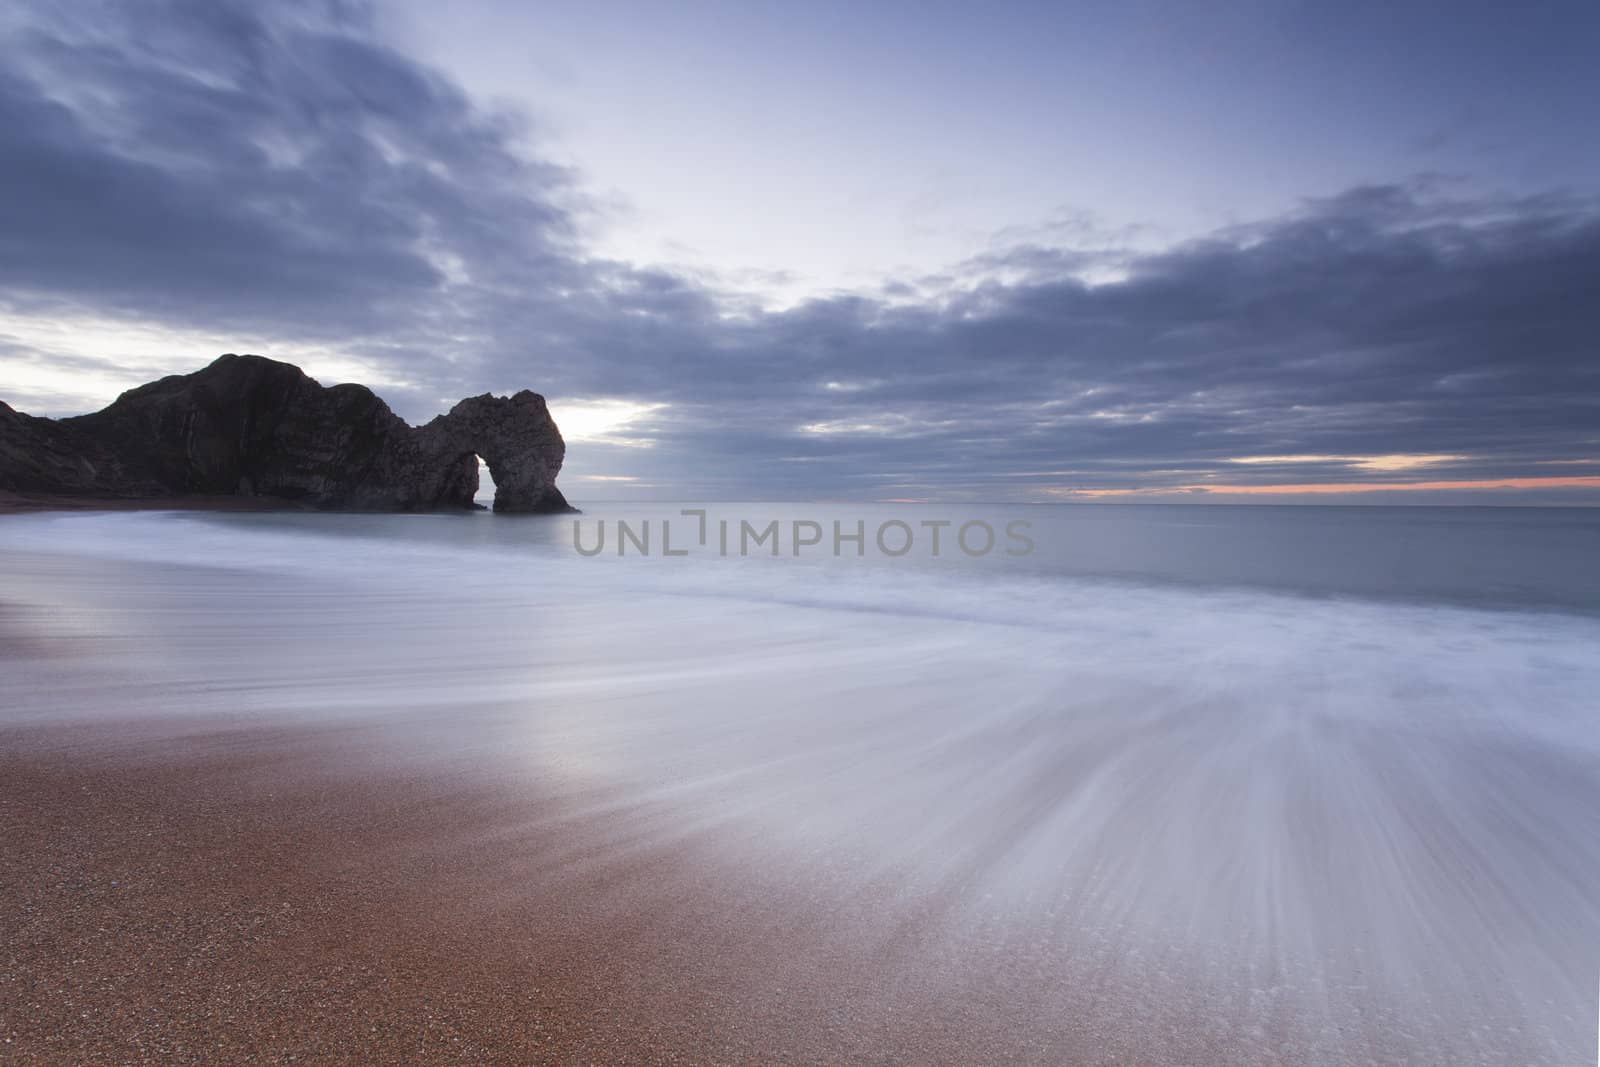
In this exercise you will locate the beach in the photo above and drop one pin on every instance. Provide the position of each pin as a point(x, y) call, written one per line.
point(230, 897)
point(400, 789)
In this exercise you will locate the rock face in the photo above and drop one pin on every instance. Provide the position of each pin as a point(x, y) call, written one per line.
point(251, 426)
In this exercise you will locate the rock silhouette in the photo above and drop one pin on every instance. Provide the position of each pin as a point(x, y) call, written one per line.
point(255, 427)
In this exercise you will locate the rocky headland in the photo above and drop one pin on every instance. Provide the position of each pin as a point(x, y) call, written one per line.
point(252, 429)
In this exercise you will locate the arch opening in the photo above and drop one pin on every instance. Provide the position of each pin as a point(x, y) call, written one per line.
point(483, 497)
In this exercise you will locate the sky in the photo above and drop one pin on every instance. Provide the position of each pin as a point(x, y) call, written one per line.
point(1243, 252)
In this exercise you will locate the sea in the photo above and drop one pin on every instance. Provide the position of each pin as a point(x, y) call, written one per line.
point(1324, 779)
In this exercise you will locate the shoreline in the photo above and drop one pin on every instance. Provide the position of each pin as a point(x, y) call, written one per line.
point(187, 893)
point(32, 503)
point(251, 894)
point(20, 503)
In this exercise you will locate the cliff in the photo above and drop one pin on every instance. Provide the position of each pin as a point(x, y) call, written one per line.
point(247, 426)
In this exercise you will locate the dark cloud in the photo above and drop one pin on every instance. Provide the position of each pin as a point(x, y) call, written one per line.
point(279, 171)
point(231, 166)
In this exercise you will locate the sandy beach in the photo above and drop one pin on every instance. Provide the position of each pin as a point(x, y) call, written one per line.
point(261, 896)
point(368, 789)
point(258, 896)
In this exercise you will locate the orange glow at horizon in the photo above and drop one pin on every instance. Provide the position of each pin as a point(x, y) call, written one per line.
point(1574, 482)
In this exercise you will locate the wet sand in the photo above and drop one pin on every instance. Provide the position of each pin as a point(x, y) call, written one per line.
point(252, 895)
point(176, 895)
point(282, 791)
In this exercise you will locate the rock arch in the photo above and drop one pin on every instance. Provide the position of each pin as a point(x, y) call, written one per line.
point(516, 438)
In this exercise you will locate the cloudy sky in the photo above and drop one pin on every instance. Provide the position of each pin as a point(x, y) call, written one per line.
point(1342, 252)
